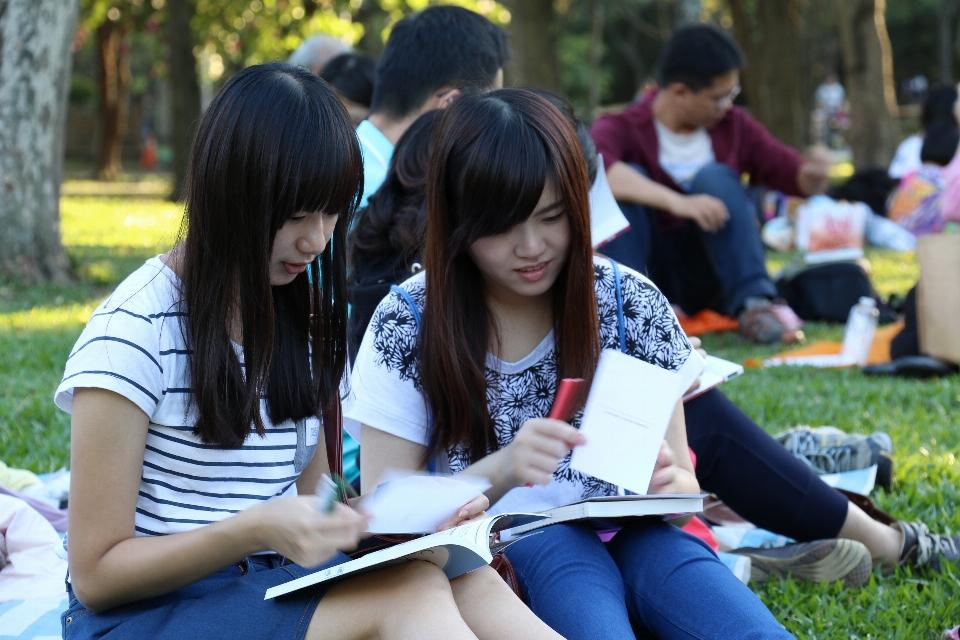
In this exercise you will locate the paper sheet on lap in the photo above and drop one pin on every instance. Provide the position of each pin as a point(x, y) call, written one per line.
point(625, 419)
point(419, 504)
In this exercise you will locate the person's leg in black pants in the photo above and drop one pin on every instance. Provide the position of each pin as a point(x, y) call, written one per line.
point(756, 476)
point(763, 482)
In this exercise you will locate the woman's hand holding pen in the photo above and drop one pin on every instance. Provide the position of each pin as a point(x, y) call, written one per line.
point(536, 451)
point(297, 529)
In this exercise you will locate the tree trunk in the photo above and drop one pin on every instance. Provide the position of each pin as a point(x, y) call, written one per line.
point(597, 20)
point(772, 39)
point(868, 67)
point(184, 89)
point(373, 18)
point(113, 79)
point(35, 40)
point(534, 44)
point(946, 10)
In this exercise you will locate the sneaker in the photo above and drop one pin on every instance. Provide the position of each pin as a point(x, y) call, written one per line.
point(764, 322)
point(832, 560)
point(924, 549)
point(830, 450)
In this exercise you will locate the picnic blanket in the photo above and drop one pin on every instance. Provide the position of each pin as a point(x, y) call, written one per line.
point(879, 349)
point(34, 619)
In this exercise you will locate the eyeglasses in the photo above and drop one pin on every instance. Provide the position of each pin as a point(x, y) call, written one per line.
point(727, 101)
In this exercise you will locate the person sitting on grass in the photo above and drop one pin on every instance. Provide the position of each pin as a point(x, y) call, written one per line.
point(196, 392)
point(469, 356)
point(674, 162)
point(736, 459)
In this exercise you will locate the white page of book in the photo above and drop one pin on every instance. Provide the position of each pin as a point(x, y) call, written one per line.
point(606, 219)
point(716, 372)
point(625, 419)
point(419, 504)
point(456, 551)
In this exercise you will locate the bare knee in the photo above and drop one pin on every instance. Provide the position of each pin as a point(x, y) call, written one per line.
point(482, 582)
point(418, 576)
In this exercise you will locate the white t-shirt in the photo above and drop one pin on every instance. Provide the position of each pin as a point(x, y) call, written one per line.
point(830, 96)
point(386, 378)
point(133, 346)
point(907, 157)
point(682, 155)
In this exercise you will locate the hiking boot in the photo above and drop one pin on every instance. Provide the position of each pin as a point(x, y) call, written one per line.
point(832, 560)
point(764, 322)
point(830, 450)
point(924, 549)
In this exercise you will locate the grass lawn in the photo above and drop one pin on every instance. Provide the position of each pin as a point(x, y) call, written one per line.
point(107, 238)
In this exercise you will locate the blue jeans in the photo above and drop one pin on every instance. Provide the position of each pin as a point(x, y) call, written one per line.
point(228, 604)
point(651, 580)
point(734, 254)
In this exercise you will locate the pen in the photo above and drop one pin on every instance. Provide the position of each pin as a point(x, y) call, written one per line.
point(332, 490)
point(566, 401)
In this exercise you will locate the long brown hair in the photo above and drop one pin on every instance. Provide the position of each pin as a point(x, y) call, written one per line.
point(492, 157)
point(274, 142)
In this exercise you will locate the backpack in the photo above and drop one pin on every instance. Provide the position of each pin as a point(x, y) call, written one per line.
point(827, 291)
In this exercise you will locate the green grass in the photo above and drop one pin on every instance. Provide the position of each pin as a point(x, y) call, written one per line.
point(108, 237)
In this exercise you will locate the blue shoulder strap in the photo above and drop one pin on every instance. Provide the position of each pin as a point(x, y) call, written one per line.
point(410, 303)
point(621, 329)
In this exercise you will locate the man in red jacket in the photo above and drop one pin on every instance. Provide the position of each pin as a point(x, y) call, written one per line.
point(675, 160)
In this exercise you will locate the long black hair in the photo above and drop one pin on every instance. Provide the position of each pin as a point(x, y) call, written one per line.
point(274, 142)
point(492, 156)
point(395, 219)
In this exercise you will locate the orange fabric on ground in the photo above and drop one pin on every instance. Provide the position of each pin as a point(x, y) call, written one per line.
point(707, 321)
point(879, 350)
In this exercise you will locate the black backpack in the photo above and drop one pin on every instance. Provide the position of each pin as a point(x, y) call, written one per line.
point(827, 291)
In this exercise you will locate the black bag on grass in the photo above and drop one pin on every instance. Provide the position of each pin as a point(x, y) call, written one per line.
point(825, 291)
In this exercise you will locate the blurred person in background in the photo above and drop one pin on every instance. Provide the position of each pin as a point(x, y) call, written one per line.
point(675, 161)
point(316, 51)
point(938, 107)
point(352, 75)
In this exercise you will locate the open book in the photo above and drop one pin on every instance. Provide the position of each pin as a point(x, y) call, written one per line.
point(613, 507)
point(716, 372)
point(457, 551)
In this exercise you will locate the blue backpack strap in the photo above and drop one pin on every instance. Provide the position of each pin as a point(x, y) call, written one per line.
point(621, 329)
point(410, 303)
point(431, 463)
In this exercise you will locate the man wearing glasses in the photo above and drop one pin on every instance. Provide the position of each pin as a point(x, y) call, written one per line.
point(674, 161)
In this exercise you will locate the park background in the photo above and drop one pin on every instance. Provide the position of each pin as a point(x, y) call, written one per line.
point(78, 212)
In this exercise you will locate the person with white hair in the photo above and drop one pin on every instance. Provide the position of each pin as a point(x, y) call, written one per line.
point(316, 51)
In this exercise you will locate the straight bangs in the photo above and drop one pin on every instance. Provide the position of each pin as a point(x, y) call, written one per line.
point(324, 172)
point(492, 157)
point(274, 142)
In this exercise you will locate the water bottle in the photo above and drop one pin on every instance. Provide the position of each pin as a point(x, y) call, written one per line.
point(858, 336)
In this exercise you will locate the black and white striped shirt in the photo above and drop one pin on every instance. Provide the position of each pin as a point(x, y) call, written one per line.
point(133, 346)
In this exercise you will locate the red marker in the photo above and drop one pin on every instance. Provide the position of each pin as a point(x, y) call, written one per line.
point(566, 401)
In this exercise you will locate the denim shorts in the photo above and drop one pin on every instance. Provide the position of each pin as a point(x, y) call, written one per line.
point(228, 604)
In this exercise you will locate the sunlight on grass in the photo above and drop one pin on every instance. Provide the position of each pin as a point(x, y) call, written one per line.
point(113, 222)
point(47, 318)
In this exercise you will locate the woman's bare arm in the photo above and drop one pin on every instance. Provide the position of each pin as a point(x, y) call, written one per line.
point(109, 566)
